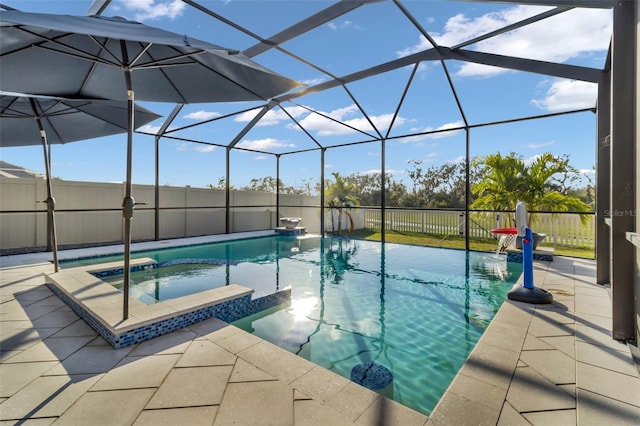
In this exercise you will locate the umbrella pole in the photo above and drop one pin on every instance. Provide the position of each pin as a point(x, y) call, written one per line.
point(128, 204)
point(50, 200)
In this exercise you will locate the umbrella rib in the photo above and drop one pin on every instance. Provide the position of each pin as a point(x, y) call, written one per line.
point(107, 120)
point(139, 55)
point(159, 63)
point(231, 80)
point(104, 48)
point(12, 110)
point(53, 128)
point(156, 63)
point(9, 107)
point(44, 112)
point(184, 101)
point(80, 54)
point(147, 65)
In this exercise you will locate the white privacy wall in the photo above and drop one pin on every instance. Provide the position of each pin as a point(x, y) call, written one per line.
point(90, 212)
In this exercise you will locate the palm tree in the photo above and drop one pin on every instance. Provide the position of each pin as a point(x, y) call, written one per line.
point(540, 185)
point(342, 199)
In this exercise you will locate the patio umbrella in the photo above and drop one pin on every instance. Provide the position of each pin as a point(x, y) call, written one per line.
point(31, 120)
point(95, 56)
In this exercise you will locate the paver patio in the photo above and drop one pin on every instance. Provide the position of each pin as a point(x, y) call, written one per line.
point(535, 364)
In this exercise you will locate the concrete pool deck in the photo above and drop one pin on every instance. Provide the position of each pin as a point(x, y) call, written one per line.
point(535, 364)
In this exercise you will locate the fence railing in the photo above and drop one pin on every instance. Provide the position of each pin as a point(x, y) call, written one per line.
point(566, 229)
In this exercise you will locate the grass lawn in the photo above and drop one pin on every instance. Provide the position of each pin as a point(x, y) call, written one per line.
point(454, 241)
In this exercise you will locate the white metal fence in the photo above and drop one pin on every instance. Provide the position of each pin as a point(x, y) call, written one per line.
point(566, 229)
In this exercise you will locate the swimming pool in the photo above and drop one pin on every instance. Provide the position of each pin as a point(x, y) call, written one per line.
point(417, 311)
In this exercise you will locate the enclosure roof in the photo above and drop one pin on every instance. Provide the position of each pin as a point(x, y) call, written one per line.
point(389, 62)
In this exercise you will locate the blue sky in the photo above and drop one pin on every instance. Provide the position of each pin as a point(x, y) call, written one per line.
point(370, 35)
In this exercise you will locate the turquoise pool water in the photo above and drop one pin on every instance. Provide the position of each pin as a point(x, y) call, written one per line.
point(417, 311)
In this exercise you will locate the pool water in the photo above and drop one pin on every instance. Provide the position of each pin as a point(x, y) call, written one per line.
point(191, 269)
point(416, 311)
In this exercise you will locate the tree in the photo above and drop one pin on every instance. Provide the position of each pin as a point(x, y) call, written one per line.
point(439, 186)
point(268, 184)
point(222, 185)
point(368, 189)
point(541, 184)
point(342, 199)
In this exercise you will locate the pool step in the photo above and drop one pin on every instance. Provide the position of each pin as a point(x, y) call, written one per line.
point(99, 304)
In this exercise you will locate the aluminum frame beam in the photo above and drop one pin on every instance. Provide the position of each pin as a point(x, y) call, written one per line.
point(573, 72)
point(598, 4)
point(314, 21)
point(97, 7)
point(603, 177)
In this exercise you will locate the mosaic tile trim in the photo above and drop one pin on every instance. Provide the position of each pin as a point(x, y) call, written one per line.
point(228, 311)
point(269, 301)
point(97, 325)
point(120, 271)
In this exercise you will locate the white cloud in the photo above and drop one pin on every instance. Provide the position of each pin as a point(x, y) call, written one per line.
point(272, 117)
point(202, 115)
point(246, 116)
point(428, 158)
point(443, 134)
point(264, 144)
point(204, 148)
point(313, 81)
point(473, 70)
point(540, 145)
point(423, 44)
point(181, 147)
point(154, 9)
point(147, 128)
point(431, 156)
point(568, 94)
point(325, 127)
point(342, 25)
point(378, 171)
point(568, 35)
point(261, 157)
point(319, 124)
point(587, 172)
point(329, 166)
point(530, 160)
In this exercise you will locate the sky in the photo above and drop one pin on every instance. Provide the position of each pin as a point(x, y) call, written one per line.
point(367, 36)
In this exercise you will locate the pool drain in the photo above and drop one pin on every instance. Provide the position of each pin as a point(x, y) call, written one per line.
point(373, 376)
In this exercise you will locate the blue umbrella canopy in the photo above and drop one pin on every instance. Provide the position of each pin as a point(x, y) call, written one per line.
point(113, 58)
point(63, 120)
point(84, 56)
